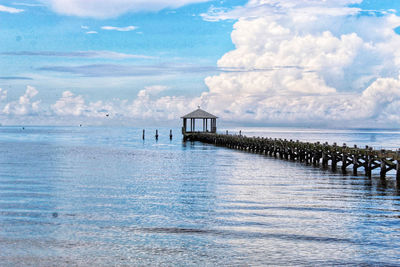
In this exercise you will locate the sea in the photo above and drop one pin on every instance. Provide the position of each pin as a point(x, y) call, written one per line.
point(103, 196)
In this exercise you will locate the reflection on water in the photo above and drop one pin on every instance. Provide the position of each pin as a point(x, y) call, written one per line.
point(102, 196)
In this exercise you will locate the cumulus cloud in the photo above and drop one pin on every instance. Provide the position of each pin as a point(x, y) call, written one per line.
point(10, 9)
point(72, 105)
point(294, 61)
point(147, 106)
point(69, 104)
point(24, 105)
point(337, 65)
point(152, 90)
point(107, 9)
point(119, 29)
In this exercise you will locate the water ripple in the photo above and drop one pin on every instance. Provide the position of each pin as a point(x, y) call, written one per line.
point(93, 196)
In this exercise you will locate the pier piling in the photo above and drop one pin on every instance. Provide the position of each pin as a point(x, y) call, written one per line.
point(383, 169)
point(355, 164)
point(398, 171)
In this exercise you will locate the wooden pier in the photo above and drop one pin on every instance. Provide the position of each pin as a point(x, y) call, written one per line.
point(315, 154)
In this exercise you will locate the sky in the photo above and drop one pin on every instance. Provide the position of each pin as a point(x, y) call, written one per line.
point(312, 63)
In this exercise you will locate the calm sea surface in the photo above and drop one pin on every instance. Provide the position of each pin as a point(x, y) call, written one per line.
point(91, 196)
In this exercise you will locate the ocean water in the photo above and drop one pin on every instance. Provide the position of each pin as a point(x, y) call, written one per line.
point(101, 196)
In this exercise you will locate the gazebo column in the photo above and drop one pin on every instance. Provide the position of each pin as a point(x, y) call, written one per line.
point(184, 125)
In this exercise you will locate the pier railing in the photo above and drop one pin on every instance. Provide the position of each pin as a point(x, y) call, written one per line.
point(317, 154)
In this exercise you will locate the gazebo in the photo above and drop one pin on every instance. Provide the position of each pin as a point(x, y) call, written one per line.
point(199, 114)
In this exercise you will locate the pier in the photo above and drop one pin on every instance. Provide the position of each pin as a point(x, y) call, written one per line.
point(316, 154)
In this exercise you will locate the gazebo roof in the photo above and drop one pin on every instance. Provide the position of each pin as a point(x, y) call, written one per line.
point(199, 114)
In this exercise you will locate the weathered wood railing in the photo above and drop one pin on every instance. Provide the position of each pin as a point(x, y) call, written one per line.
point(316, 154)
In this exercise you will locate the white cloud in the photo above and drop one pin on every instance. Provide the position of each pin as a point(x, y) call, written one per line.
point(275, 8)
point(107, 8)
point(152, 90)
point(307, 62)
point(292, 63)
point(26, 4)
point(85, 27)
point(24, 105)
point(71, 105)
point(3, 94)
point(120, 29)
point(91, 32)
point(146, 107)
point(378, 105)
point(151, 108)
point(10, 9)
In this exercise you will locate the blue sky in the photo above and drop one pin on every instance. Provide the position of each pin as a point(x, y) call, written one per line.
point(167, 37)
point(149, 61)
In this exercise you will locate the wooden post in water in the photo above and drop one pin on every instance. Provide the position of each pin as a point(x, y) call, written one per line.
point(344, 159)
point(369, 166)
point(143, 134)
point(325, 157)
point(355, 164)
point(383, 168)
point(156, 134)
point(355, 161)
point(170, 134)
point(398, 168)
point(334, 163)
point(398, 171)
point(367, 162)
point(324, 160)
point(334, 158)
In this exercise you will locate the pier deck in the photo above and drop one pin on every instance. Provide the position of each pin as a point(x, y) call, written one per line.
point(317, 154)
